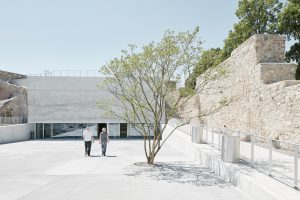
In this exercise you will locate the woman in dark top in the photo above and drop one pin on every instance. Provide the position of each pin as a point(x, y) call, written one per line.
point(103, 140)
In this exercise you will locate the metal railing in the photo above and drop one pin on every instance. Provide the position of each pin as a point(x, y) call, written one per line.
point(12, 120)
point(279, 159)
point(69, 73)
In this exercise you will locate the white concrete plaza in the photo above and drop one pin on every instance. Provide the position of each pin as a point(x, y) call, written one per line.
point(58, 169)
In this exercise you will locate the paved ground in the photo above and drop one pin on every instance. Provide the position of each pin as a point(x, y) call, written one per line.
point(42, 170)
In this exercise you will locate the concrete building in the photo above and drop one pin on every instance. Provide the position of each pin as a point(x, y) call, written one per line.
point(63, 105)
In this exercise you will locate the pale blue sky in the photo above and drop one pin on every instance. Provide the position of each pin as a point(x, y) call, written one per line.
point(37, 35)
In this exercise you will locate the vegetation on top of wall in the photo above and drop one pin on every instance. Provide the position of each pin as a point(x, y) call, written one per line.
point(209, 58)
point(255, 17)
point(289, 24)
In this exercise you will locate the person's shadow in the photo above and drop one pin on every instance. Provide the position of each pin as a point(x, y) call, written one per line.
point(110, 156)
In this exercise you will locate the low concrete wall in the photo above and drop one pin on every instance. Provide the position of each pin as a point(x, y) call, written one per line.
point(257, 185)
point(15, 133)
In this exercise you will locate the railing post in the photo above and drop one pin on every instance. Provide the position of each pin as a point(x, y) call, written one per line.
point(206, 132)
point(270, 157)
point(296, 166)
point(219, 140)
point(212, 137)
point(252, 150)
point(202, 127)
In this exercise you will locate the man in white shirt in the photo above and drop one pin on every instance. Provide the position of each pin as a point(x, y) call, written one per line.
point(88, 139)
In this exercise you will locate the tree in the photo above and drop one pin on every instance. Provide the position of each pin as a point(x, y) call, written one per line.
point(289, 24)
point(142, 84)
point(255, 17)
point(209, 58)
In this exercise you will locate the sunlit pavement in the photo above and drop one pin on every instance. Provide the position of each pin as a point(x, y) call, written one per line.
point(58, 169)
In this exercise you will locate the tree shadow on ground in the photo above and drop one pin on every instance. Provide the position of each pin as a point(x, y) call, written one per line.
point(178, 172)
point(281, 171)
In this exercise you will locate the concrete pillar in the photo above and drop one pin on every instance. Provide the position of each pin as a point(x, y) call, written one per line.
point(51, 129)
point(43, 130)
point(107, 128)
point(34, 131)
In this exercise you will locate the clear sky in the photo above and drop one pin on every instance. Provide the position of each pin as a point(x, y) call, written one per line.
point(38, 35)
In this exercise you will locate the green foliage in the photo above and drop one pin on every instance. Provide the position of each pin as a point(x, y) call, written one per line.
point(289, 19)
point(185, 91)
point(289, 24)
point(256, 17)
point(236, 37)
point(209, 58)
point(294, 53)
point(259, 16)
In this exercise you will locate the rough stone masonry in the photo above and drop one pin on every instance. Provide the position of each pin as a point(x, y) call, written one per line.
point(13, 99)
point(265, 95)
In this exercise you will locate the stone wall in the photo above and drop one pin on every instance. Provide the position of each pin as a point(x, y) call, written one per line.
point(264, 96)
point(13, 99)
point(9, 76)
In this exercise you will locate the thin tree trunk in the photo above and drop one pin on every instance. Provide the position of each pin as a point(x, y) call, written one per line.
point(150, 159)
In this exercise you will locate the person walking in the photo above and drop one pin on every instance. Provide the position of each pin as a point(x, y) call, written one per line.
point(103, 140)
point(88, 139)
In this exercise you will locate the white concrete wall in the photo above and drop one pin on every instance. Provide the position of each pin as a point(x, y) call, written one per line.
point(131, 132)
point(68, 100)
point(65, 99)
point(15, 133)
point(114, 129)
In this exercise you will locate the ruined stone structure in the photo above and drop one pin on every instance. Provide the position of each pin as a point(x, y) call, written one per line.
point(13, 99)
point(264, 93)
